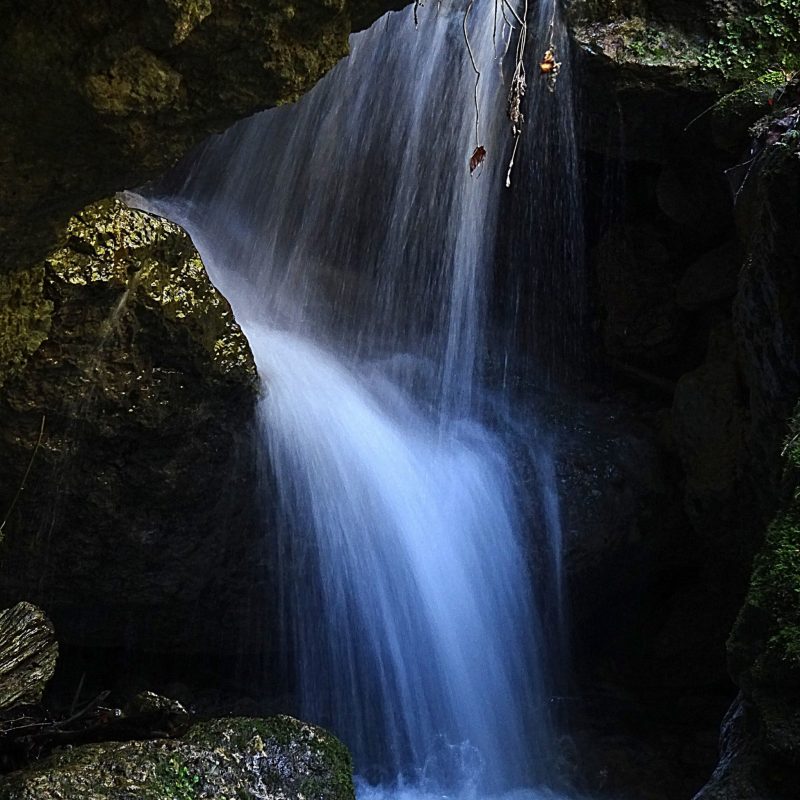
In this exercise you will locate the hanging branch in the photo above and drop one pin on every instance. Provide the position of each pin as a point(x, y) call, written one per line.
point(518, 87)
point(479, 154)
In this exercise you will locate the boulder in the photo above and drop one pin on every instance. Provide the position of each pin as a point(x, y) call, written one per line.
point(262, 759)
point(126, 416)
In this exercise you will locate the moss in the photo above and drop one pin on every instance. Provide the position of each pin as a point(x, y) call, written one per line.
point(157, 264)
point(642, 42)
point(752, 97)
point(228, 758)
point(766, 638)
point(755, 35)
point(187, 15)
point(25, 319)
point(137, 82)
point(174, 780)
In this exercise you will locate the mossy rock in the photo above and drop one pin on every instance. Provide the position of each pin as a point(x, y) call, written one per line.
point(157, 265)
point(735, 112)
point(226, 759)
point(134, 86)
point(764, 646)
point(129, 390)
point(25, 318)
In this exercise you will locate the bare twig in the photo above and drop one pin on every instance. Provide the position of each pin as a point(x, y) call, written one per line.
point(477, 72)
point(41, 727)
point(518, 87)
point(25, 476)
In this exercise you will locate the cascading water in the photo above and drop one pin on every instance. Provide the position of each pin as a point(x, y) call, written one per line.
point(356, 249)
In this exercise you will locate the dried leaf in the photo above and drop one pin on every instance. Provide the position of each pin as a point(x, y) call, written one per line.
point(550, 67)
point(477, 158)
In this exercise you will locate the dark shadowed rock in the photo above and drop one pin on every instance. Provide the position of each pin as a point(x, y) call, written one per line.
point(136, 526)
point(100, 96)
point(713, 278)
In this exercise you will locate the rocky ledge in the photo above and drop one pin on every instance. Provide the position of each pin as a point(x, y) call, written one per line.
point(100, 96)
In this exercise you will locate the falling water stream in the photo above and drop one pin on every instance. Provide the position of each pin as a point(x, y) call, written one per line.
point(356, 250)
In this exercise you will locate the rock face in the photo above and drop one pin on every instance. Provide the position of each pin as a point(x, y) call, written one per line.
point(28, 653)
point(695, 292)
point(760, 745)
point(100, 96)
point(233, 758)
point(760, 741)
point(127, 397)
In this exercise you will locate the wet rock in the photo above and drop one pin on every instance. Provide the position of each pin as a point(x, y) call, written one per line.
point(136, 524)
point(713, 278)
point(694, 198)
point(28, 653)
point(236, 757)
point(766, 310)
point(151, 703)
point(642, 320)
point(708, 416)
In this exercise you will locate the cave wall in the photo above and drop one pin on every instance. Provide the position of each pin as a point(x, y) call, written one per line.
point(99, 96)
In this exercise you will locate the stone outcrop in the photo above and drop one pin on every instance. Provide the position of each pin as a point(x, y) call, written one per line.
point(128, 392)
point(760, 743)
point(694, 259)
point(235, 757)
point(100, 96)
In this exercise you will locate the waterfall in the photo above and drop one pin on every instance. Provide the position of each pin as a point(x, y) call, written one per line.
point(356, 249)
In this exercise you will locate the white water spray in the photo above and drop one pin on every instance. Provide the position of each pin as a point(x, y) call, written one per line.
point(356, 250)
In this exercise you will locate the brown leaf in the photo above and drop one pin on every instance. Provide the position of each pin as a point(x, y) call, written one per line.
point(477, 158)
point(548, 63)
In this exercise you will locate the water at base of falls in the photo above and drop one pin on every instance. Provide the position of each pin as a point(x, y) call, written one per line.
point(355, 249)
point(365, 791)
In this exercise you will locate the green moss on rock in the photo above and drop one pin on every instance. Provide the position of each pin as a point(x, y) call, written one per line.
point(641, 42)
point(319, 758)
point(137, 82)
point(157, 264)
point(765, 642)
point(132, 87)
point(234, 758)
point(754, 35)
